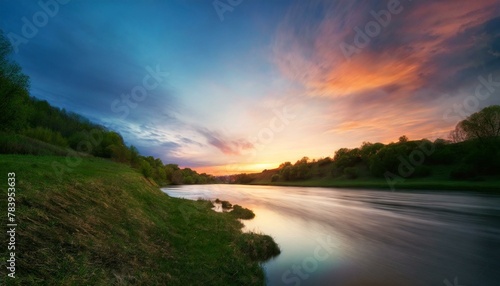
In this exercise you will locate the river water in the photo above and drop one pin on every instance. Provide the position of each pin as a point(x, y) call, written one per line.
point(335, 236)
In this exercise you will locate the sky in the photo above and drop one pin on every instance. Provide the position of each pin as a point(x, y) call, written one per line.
point(232, 86)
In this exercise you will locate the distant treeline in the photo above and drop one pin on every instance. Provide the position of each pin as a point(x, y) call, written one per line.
point(472, 152)
point(32, 126)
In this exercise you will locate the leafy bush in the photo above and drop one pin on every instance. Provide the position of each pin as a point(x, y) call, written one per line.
point(146, 169)
point(258, 247)
point(242, 213)
point(225, 204)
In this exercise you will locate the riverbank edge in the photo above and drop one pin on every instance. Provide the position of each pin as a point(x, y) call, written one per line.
point(490, 186)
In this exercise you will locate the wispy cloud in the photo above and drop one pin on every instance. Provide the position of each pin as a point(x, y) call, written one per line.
point(227, 146)
point(427, 51)
point(412, 51)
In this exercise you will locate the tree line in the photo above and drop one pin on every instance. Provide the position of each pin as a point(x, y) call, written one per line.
point(471, 152)
point(32, 126)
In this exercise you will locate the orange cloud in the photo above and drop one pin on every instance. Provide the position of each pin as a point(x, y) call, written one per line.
point(401, 55)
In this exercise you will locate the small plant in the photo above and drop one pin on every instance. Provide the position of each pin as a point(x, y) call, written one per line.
point(242, 213)
point(226, 205)
point(258, 247)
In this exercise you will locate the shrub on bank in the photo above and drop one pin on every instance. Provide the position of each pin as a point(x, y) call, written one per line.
point(242, 213)
point(258, 247)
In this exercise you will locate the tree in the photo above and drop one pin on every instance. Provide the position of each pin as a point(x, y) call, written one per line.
point(134, 156)
point(146, 169)
point(13, 90)
point(403, 139)
point(481, 125)
point(177, 177)
point(345, 157)
point(368, 149)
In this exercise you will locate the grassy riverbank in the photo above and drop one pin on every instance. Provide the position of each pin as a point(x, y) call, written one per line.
point(95, 222)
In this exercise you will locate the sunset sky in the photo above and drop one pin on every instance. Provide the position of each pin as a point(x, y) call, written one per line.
point(241, 85)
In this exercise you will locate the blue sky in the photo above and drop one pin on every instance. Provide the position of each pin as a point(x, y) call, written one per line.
point(265, 83)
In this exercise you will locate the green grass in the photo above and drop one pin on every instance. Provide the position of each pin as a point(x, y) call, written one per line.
point(20, 144)
point(102, 223)
point(242, 213)
point(260, 247)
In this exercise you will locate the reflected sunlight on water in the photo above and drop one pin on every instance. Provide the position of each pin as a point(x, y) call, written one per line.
point(369, 237)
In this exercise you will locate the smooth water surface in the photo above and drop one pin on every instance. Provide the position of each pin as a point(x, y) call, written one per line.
point(370, 237)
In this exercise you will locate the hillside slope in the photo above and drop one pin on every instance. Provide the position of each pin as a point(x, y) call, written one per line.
point(90, 221)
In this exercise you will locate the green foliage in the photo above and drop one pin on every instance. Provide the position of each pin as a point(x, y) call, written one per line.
point(226, 205)
point(177, 177)
point(242, 179)
point(301, 170)
point(258, 247)
point(368, 150)
point(324, 161)
point(242, 213)
point(444, 155)
point(482, 125)
point(20, 144)
point(463, 172)
point(146, 169)
point(386, 159)
point(46, 135)
point(345, 158)
point(275, 178)
point(351, 173)
point(13, 91)
point(188, 180)
point(421, 172)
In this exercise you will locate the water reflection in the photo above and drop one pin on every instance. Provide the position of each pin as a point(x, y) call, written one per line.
point(370, 237)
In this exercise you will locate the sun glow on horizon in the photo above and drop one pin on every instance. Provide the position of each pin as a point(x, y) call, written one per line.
point(231, 169)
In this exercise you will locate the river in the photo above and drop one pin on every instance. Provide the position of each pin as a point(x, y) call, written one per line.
point(335, 236)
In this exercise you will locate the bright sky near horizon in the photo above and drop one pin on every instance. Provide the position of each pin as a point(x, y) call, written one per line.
point(231, 86)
